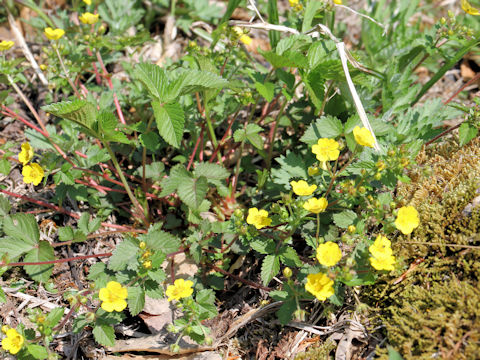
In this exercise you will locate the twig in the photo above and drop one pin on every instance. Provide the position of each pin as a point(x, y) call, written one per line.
point(385, 28)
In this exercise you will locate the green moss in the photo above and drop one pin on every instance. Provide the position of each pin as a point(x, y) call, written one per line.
point(320, 352)
point(434, 312)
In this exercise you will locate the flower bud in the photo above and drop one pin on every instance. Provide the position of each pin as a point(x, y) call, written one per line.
point(362, 190)
point(377, 176)
point(451, 14)
point(351, 229)
point(90, 316)
point(238, 213)
point(147, 264)
point(142, 245)
point(208, 340)
point(443, 21)
point(287, 272)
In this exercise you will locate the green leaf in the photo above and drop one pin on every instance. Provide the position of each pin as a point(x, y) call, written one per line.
point(125, 253)
point(289, 256)
point(272, 11)
point(162, 241)
point(80, 112)
point(325, 127)
point(393, 354)
point(263, 246)
point(191, 81)
point(211, 171)
point(278, 295)
point(65, 233)
point(54, 317)
point(285, 313)
point(267, 90)
point(14, 248)
point(170, 121)
point(107, 128)
point(287, 59)
point(150, 140)
point(22, 227)
point(3, 298)
point(4, 206)
point(270, 268)
point(310, 12)
point(154, 79)
point(37, 351)
point(44, 252)
point(206, 304)
point(104, 335)
point(135, 300)
point(5, 166)
point(193, 191)
point(466, 132)
point(87, 225)
point(344, 219)
point(251, 133)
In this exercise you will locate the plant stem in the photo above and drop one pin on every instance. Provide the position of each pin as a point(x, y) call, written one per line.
point(318, 228)
point(133, 199)
point(67, 76)
point(272, 139)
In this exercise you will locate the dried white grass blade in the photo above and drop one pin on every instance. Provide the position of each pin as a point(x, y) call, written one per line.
point(365, 16)
point(356, 98)
point(254, 8)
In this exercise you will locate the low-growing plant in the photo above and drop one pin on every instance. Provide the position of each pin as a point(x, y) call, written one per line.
point(217, 155)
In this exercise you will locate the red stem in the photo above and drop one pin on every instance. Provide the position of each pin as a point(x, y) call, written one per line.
point(195, 148)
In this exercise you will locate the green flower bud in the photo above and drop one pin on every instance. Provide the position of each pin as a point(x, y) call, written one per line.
point(142, 245)
point(377, 176)
point(287, 272)
point(362, 190)
point(451, 14)
point(351, 229)
point(238, 213)
point(443, 21)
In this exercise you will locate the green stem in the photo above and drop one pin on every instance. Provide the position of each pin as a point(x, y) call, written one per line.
point(172, 8)
point(318, 228)
point(67, 76)
point(270, 148)
point(211, 131)
point(133, 199)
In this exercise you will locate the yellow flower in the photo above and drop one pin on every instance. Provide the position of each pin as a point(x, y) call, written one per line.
point(244, 38)
point(326, 149)
point(337, 2)
point(26, 154)
point(13, 342)
point(293, 2)
point(313, 170)
point(363, 136)
point(88, 2)
point(315, 205)
point(179, 290)
point(382, 258)
point(319, 285)
point(259, 218)
point(302, 188)
point(407, 219)
point(469, 9)
point(89, 18)
point(5, 328)
point(53, 34)
point(113, 297)
point(32, 173)
point(329, 254)
point(5, 45)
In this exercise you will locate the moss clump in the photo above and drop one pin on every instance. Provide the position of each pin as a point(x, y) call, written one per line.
point(321, 352)
point(434, 312)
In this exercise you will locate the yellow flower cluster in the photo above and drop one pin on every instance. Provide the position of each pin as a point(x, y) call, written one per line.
point(381, 251)
point(179, 290)
point(32, 173)
point(113, 297)
point(5, 45)
point(53, 34)
point(13, 341)
point(329, 254)
point(320, 285)
point(407, 219)
point(258, 218)
point(89, 18)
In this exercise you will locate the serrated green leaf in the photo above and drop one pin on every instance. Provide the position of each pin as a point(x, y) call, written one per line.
point(13, 247)
point(344, 218)
point(22, 227)
point(158, 276)
point(263, 246)
point(65, 233)
point(211, 171)
point(270, 268)
point(80, 112)
point(44, 252)
point(125, 253)
point(285, 313)
point(108, 128)
point(191, 81)
point(278, 295)
point(104, 335)
point(193, 191)
point(5, 166)
point(150, 140)
point(251, 133)
point(466, 132)
point(135, 300)
point(162, 241)
point(54, 316)
point(239, 135)
point(154, 79)
point(287, 59)
point(324, 127)
point(170, 121)
point(37, 351)
point(206, 304)
point(289, 256)
point(267, 90)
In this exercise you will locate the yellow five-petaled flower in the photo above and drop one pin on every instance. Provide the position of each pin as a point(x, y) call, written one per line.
point(5, 45)
point(53, 34)
point(326, 149)
point(89, 18)
point(179, 290)
point(32, 173)
point(113, 297)
point(302, 188)
point(382, 258)
point(13, 342)
point(329, 254)
point(469, 9)
point(258, 218)
point(320, 285)
point(315, 205)
point(407, 219)
point(363, 136)
point(26, 154)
